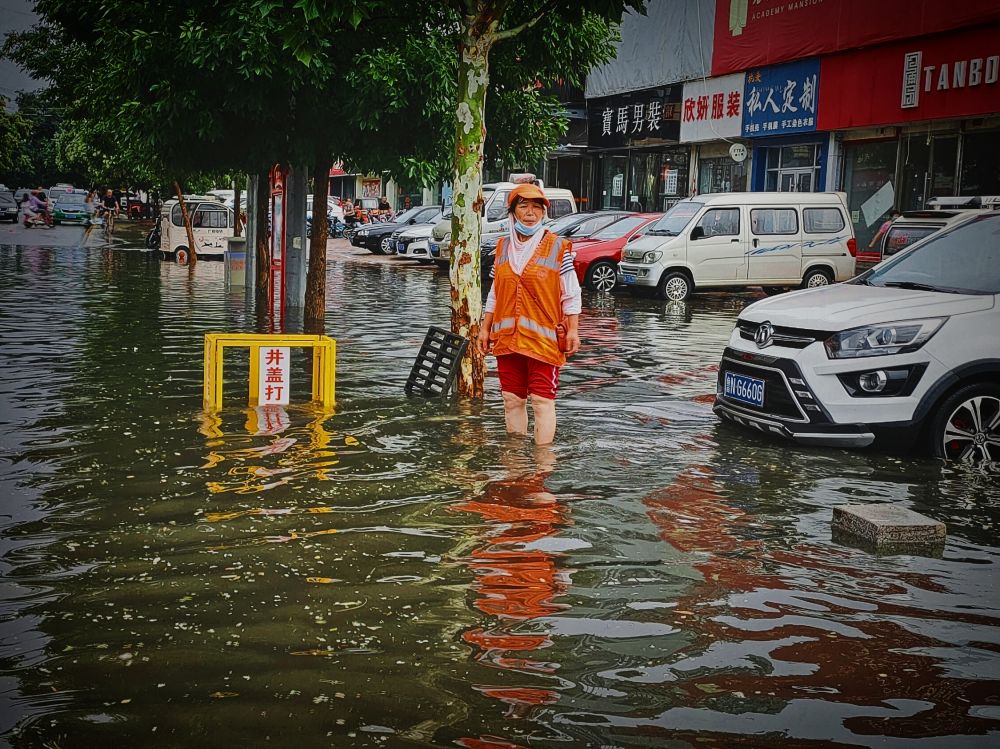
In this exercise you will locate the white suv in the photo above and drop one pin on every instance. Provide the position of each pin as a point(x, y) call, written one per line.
point(907, 354)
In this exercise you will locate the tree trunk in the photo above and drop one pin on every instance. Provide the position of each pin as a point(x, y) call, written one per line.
point(466, 226)
point(262, 264)
point(315, 311)
point(192, 250)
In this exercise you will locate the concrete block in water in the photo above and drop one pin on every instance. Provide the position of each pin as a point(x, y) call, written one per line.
point(887, 524)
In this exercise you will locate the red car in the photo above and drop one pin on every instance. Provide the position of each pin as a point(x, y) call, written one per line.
point(597, 256)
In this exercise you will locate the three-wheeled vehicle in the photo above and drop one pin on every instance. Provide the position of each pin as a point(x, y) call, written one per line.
point(211, 223)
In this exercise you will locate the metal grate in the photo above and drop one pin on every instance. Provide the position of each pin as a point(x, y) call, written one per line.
point(437, 364)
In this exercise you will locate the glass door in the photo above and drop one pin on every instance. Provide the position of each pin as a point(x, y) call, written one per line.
point(796, 180)
point(613, 181)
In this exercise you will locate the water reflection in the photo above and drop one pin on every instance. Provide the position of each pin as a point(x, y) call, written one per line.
point(400, 574)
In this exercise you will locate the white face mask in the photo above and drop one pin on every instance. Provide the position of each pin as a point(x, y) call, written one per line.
point(528, 231)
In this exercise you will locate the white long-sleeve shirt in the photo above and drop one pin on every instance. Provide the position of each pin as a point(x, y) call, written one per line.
point(518, 257)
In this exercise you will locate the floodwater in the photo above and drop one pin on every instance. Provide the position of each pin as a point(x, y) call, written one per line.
point(402, 574)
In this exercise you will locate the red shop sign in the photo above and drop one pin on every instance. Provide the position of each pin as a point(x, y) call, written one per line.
point(755, 33)
point(945, 76)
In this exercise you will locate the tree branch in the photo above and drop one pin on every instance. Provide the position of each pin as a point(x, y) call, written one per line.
point(514, 31)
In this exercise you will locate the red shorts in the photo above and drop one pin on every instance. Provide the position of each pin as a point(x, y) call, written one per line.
point(520, 375)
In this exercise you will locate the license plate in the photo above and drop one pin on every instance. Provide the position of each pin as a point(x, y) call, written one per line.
point(744, 389)
point(435, 250)
point(401, 248)
point(629, 278)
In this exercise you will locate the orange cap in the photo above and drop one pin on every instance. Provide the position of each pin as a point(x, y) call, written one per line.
point(527, 192)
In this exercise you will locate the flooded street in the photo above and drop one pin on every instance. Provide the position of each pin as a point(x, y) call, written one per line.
point(403, 574)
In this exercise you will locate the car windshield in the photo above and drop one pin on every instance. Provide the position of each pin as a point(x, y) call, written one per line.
point(407, 215)
point(558, 225)
point(71, 199)
point(674, 220)
point(964, 260)
point(620, 228)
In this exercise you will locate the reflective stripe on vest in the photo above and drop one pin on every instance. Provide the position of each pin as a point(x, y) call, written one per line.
point(527, 322)
point(504, 324)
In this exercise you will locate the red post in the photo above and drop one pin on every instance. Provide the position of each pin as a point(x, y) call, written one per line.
point(278, 176)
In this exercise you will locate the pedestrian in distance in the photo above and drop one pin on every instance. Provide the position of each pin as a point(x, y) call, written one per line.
point(90, 204)
point(893, 215)
point(535, 292)
point(350, 215)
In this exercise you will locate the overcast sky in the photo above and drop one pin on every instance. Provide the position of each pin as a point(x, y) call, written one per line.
point(15, 15)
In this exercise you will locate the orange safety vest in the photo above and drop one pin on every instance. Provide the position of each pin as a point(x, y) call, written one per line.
point(529, 306)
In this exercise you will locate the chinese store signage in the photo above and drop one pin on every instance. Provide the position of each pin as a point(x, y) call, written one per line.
point(274, 380)
point(712, 109)
point(946, 76)
point(648, 116)
point(781, 100)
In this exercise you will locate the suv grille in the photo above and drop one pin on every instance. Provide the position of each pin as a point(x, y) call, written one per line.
point(787, 337)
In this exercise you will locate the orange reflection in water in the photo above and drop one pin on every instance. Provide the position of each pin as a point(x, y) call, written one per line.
point(516, 580)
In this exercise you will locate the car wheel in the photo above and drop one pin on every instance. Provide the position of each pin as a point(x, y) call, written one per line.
point(817, 277)
point(674, 287)
point(181, 255)
point(385, 244)
point(602, 276)
point(966, 427)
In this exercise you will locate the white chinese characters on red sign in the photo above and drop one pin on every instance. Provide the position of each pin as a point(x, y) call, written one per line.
point(712, 109)
point(274, 379)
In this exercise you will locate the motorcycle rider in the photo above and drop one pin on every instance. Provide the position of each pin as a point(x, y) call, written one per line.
point(37, 209)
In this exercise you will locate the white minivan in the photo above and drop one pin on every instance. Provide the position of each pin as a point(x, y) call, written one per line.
point(770, 239)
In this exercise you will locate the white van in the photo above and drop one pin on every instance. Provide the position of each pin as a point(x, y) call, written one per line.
point(211, 224)
point(561, 203)
point(775, 240)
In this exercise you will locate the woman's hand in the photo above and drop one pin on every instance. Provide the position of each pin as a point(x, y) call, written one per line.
point(483, 340)
point(572, 342)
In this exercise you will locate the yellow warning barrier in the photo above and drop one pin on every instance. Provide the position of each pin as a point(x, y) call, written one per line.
point(324, 366)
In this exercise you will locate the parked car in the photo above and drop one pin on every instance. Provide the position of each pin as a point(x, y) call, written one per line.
point(906, 353)
point(211, 223)
point(70, 208)
point(377, 238)
point(62, 188)
point(596, 257)
point(413, 242)
point(8, 207)
point(770, 239)
point(21, 195)
point(912, 226)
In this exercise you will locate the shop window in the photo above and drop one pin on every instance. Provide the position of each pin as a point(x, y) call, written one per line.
point(721, 222)
point(792, 168)
point(721, 175)
point(980, 166)
point(869, 169)
point(774, 221)
point(822, 220)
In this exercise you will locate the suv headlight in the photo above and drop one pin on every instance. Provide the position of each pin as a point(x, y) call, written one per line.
point(882, 340)
point(651, 257)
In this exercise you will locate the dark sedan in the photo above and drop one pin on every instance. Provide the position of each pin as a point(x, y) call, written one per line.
point(377, 238)
point(8, 207)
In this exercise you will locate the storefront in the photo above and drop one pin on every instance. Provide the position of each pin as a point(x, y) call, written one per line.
point(918, 119)
point(712, 122)
point(638, 162)
point(780, 105)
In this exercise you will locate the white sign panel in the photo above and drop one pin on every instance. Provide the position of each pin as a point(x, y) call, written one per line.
point(880, 202)
point(712, 109)
point(274, 379)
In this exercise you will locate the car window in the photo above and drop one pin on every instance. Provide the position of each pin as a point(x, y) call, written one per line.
point(774, 221)
point(498, 208)
point(427, 215)
point(405, 216)
point(210, 218)
point(619, 228)
point(559, 225)
point(560, 207)
point(72, 199)
point(720, 222)
point(965, 259)
point(900, 237)
point(822, 220)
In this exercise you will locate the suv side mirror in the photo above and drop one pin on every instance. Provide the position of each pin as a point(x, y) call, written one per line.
point(697, 232)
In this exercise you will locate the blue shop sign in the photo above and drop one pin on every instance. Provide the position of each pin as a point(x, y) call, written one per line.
point(781, 100)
